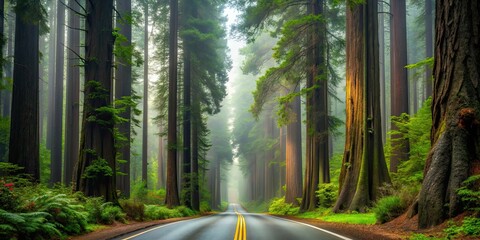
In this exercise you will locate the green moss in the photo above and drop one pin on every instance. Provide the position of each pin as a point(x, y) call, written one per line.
point(351, 218)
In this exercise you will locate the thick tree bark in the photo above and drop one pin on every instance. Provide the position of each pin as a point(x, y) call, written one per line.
point(317, 163)
point(145, 100)
point(72, 111)
point(399, 79)
point(428, 45)
point(57, 137)
point(172, 198)
point(294, 156)
point(24, 129)
point(455, 107)
point(381, 59)
point(96, 169)
point(123, 88)
point(363, 169)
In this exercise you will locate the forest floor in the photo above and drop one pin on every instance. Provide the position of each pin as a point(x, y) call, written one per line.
point(400, 228)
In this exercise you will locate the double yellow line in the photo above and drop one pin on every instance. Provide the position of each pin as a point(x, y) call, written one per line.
point(241, 230)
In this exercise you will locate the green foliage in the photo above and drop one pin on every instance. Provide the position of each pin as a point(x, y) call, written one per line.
point(470, 227)
point(470, 193)
point(205, 207)
point(134, 210)
point(111, 213)
point(417, 128)
point(327, 194)
point(351, 218)
point(98, 168)
point(32, 225)
point(388, 208)
point(279, 207)
point(4, 136)
point(66, 212)
point(154, 212)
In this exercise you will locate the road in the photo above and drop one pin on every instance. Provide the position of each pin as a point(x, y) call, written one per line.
point(236, 224)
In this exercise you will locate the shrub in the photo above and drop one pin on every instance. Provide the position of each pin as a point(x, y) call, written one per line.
point(67, 215)
point(470, 193)
point(94, 209)
point(205, 207)
point(33, 225)
point(327, 194)
point(111, 213)
point(134, 210)
point(388, 208)
point(184, 211)
point(155, 212)
point(279, 207)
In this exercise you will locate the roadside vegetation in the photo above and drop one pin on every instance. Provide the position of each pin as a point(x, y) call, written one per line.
point(38, 211)
point(398, 196)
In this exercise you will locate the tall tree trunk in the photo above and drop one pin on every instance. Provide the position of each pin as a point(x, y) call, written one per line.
point(363, 168)
point(269, 157)
point(172, 198)
point(72, 111)
point(96, 170)
point(283, 158)
point(455, 137)
point(24, 130)
point(145, 101)
point(381, 43)
point(399, 79)
point(161, 159)
point(317, 162)
point(51, 75)
point(7, 96)
point(187, 124)
point(57, 137)
point(294, 155)
point(123, 89)
point(428, 45)
point(196, 123)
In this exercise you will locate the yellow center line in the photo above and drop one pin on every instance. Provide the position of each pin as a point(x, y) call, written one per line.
point(241, 228)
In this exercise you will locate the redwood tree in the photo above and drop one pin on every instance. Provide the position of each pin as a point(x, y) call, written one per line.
point(24, 128)
point(363, 168)
point(96, 170)
point(72, 110)
point(317, 165)
point(57, 135)
point(294, 155)
point(456, 103)
point(123, 88)
point(172, 198)
point(399, 79)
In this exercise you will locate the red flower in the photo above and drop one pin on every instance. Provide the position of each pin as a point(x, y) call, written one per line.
point(9, 186)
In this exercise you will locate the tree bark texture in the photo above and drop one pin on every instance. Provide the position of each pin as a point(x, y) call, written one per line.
point(57, 137)
point(172, 198)
point(72, 111)
point(455, 107)
point(363, 168)
point(294, 156)
point(96, 169)
point(24, 129)
point(196, 134)
point(428, 45)
point(123, 88)
point(317, 162)
point(399, 79)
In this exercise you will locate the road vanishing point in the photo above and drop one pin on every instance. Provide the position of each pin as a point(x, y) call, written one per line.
point(237, 224)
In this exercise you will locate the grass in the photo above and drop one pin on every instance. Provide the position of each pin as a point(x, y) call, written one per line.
point(351, 218)
point(356, 218)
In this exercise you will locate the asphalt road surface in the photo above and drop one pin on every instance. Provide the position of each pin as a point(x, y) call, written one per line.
point(236, 224)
